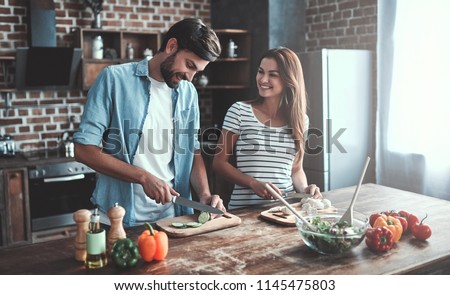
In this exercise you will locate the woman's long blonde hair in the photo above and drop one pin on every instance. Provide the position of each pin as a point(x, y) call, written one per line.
point(293, 102)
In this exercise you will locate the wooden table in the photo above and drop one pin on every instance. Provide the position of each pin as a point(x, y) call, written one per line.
point(262, 248)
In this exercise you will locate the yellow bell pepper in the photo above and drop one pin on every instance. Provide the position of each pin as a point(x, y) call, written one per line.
point(392, 223)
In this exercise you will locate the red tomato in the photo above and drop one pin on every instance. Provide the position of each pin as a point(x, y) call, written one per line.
point(413, 220)
point(421, 230)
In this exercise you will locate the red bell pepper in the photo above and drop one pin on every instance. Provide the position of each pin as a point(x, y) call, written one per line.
point(392, 223)
point(403, 222)
point(373, 217)
point(379, 239)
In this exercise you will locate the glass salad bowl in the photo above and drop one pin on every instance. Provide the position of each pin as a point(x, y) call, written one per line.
point(330, 237)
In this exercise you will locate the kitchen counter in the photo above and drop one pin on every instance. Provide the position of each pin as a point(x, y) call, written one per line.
point(51, 156)
point(33, 158)
point(260, 247)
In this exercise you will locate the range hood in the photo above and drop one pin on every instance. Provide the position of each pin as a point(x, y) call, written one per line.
point(43, 65)
point(41, 23)
point(47, 68)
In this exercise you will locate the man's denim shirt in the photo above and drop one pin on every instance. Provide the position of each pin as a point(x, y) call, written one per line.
point(113, 118)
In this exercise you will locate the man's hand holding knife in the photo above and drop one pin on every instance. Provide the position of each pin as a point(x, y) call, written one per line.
point(162, 193)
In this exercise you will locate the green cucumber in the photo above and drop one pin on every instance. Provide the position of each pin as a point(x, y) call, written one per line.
point(194, 224)
point(204, 217)
point(179, 225)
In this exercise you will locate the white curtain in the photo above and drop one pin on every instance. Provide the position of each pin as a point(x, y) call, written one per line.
point(413, 120)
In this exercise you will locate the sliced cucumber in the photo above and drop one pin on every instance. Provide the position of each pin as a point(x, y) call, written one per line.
point(204, 217)
point(179, 225)
point(194, 224)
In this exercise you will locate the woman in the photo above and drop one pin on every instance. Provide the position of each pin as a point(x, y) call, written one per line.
point(267, 134)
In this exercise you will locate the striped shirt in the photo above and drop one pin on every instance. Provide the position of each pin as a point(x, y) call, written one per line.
point(263, 152)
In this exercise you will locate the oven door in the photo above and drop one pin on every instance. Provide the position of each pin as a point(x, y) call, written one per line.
point(53, 200)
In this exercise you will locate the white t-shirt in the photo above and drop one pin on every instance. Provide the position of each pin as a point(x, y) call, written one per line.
point(155, 152)
point(263, 152)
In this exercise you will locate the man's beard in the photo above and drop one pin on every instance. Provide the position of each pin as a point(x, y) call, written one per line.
point(167, 73)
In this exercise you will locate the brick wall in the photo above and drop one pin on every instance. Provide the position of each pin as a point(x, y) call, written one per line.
point(37, 118)
point(349, 24)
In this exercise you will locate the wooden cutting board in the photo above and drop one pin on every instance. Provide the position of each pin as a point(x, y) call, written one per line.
point(288, 220)
point(225, 221)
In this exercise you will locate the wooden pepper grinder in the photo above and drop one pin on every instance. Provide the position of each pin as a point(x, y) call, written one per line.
point(81, 218)
point(116, 231)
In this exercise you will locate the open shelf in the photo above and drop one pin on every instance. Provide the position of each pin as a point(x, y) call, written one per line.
point(7, 83)
point(228, 77)
point(115, 45)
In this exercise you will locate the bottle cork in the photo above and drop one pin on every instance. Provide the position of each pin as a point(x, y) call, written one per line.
point(81, 218)
point(116, 231)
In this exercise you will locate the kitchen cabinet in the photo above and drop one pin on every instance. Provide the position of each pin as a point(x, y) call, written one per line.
point(6, 81)
point(230, 72)
point(14, 209)
point(228, 76)
point(114, 49)
point(228, 81)
point(272, 23)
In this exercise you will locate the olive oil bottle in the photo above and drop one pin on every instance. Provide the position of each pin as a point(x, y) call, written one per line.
point(95, 243)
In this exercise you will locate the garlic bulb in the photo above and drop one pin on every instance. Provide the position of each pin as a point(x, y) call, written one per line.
point(318, 204)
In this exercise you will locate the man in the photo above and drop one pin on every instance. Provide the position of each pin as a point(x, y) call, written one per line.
point(139, 129)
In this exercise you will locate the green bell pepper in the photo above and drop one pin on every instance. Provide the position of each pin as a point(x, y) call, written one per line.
point(125, 253)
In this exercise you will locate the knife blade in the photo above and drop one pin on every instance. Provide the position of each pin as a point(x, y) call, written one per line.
point(296, 195)
point(196, 205)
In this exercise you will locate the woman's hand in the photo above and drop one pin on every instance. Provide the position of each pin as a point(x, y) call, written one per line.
point(260, 189)
point(314, 191)
point(214, 201)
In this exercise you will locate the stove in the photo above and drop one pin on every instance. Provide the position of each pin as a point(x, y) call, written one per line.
point(57, 188)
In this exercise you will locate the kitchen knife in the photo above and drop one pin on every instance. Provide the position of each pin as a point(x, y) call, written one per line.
point(296, 195)
point(196, 205)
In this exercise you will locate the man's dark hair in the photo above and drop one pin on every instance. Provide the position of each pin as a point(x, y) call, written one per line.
point(193, 35)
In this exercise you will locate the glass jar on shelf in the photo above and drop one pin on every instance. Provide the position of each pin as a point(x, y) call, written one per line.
point(97, 47)
point(130, 51)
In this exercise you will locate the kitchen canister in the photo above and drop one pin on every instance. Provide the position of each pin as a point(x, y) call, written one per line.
point(148, 53)
point(203, 81)
point(130, 51)
point(97, 47)
point(231, 49)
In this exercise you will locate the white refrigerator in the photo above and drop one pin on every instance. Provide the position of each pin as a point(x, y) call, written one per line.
point(339, 90)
